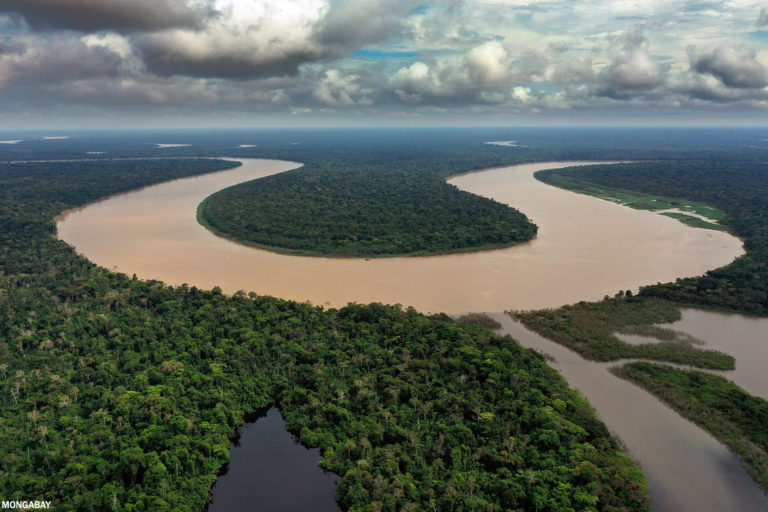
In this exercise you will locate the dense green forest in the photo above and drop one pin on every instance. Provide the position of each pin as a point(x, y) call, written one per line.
point(383, 192)
point(736, 186)
point(353, 210)
point(121, 394)
point(733, 416)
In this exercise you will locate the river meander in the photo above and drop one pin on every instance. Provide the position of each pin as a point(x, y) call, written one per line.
point(586, 248)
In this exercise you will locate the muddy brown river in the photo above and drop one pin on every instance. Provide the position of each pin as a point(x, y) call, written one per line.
point(586, 248)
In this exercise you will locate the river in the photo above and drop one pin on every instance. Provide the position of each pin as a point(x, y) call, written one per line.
point(586, 248)
point(687, 469)
point(743, 337)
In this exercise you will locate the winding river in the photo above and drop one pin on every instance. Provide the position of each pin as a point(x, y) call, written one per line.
point(586, 248)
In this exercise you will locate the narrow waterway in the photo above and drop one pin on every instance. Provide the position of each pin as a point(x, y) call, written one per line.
point(743, 337)
point(687, 469)
point(586, 248)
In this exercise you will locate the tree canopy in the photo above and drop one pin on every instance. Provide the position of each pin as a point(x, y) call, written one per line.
point(121, 394)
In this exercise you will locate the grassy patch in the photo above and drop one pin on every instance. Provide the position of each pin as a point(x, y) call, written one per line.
point(589, 328)
point(480, 319)
point(692, 221)
point(641, 201)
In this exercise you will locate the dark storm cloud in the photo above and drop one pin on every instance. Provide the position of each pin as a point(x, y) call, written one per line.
point(733, 67)
point(53, 59)
point(700, 88)
point(120, 15)
point(350, 24)
point(167, 56)
point(235, 48)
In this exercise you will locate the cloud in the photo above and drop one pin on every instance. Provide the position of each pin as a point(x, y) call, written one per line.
point(249, 39)
point(415, 83)
point(56, 58)
point(632, 72)
point(348, 24)
point(708, 89)
point(120, 15)
point(762, 20)
point(478, 56)
point(733, 67)
point(259, 38)
point(488, 63)
point(341, 90)
point(240, 54)
point(484, 75)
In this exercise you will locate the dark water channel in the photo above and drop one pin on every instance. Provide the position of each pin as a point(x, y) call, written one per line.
point(269, 471)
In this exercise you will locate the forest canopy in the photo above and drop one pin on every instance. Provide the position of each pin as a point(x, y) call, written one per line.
point(350, 209)
point(121, 394)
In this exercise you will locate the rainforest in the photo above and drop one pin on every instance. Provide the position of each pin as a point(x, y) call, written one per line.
point(122, 393)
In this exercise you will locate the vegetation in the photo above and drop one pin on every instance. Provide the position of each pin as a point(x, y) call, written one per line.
point(361, 210)
point(681, 208)
point(590, 329)
point(480, 319)
point(730, 414)
point(121, 394)
point(737, 186)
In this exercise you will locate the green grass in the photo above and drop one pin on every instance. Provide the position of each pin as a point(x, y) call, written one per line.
point(642, 201)
point(694, 222)
point(590, 328)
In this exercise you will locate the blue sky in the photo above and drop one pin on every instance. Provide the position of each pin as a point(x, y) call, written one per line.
point(315, 62)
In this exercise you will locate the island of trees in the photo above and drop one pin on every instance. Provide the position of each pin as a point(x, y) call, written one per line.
point(349, 209)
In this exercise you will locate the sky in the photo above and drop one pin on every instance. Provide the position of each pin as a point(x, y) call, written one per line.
point(240, 63)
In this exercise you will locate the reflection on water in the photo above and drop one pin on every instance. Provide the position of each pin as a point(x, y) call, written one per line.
point(269, 471)
point(586, 248)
